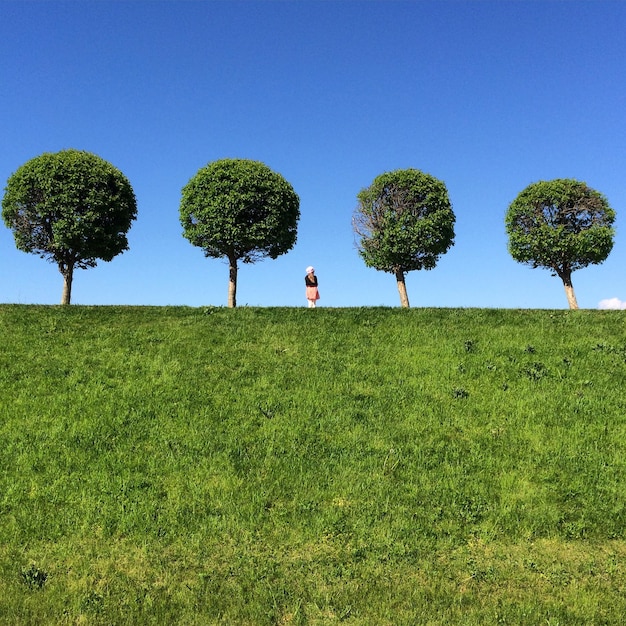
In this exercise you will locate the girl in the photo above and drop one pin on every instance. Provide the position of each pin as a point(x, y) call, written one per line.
point(310, 280)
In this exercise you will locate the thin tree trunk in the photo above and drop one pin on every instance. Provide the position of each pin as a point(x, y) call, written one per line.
point(404, 298)
point(566, 277)
point(232, 282)
point(67, 271)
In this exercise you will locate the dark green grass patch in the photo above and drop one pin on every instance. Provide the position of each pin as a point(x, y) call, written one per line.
point(278, 466)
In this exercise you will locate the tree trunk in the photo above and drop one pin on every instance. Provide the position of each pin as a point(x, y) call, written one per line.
point(232, 282)
point(67, 271)
point(566, 277)
point(404, 298)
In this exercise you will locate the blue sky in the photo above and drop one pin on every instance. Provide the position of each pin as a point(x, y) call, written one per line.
point(486, 96)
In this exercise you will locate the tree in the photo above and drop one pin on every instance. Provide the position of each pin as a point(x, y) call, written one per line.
point(71, 208)
point(241, 210)
point(561, 225)
point(404, 222)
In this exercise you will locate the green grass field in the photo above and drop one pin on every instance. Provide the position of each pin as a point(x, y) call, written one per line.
point(291, 466)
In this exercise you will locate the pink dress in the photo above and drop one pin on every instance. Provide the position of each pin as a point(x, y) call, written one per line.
point(312, 292)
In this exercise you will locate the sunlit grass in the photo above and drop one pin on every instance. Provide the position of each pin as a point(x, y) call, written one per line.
point(287, 466)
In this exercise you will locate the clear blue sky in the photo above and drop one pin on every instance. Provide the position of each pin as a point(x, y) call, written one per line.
point(487, 96)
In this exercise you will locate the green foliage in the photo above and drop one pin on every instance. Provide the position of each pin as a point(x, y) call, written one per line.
point(70, 207)
point(561, 225)
point(215, 466)
point(240, 209)
point(33, 577)
point(404, 221)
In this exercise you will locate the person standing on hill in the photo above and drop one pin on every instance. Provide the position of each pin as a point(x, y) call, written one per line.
point(312, 293)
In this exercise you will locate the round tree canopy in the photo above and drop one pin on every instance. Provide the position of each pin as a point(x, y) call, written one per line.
point(561, 225)
point(240, 209)
point(404, 220)
point(71, 207)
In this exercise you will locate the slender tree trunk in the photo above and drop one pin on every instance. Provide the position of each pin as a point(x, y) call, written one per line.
point(404, 298)
point(232, 282)
point(566, 277)
point(67, 271)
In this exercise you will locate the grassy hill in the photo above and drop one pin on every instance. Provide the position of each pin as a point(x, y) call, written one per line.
point(291, 466)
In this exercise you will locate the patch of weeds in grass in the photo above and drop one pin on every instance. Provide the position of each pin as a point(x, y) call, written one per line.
point(459, 393)
point(34, 577)
point(536, 371)
point(391, 462)
point(93, 602)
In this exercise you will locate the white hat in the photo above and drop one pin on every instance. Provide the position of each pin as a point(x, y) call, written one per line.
point(310, 269)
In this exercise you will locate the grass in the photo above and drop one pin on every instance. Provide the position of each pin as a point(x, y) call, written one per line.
point(291, 466)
